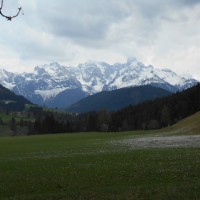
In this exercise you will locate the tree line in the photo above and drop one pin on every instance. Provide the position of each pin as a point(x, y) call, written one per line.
point(158, 113)
point(154, 114)
point(149, 115)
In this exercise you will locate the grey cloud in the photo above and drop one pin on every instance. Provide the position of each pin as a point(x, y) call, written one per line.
point(178, 19)
point(84, 28)
point(189, 2)
point(87, 22)
point(84, 21)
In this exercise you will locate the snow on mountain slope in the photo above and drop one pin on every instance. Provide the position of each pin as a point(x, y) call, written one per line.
point(48, 94)
point(46, 82)
point(6, 79)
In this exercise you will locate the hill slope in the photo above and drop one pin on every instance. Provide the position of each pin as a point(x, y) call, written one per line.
point(160, 112)
point(117, 99)
point(10, 101)
point(188, 126)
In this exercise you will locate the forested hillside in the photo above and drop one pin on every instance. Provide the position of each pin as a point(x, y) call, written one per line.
point(153, 114)
point(10, 101)
point(158, 113)
point(118, 99)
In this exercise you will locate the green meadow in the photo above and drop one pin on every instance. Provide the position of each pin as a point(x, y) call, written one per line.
point(102, 165)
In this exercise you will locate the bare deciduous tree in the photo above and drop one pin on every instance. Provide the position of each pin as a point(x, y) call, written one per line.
point(9, 18)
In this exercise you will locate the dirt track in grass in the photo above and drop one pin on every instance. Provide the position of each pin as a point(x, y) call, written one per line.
point(162, 142)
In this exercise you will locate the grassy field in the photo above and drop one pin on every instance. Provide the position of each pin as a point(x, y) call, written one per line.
point(100, 166)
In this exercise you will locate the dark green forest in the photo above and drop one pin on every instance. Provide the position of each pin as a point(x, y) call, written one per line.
point(118, 99)
point(10, 101)
point(149, 115)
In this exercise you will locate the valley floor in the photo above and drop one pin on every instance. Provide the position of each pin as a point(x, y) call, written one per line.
point(163, 142)
point(100, 166)
point(162, 164)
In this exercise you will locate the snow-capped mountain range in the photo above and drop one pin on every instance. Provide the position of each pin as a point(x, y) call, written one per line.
point(59, 86)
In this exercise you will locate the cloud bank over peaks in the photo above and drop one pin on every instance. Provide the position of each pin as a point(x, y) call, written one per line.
point(164, 33)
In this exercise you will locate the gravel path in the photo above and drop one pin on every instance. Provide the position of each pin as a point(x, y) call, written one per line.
point(163, 142)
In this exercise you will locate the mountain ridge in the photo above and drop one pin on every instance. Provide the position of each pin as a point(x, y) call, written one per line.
point(117, 99)
point(10, 101)
point(44, 85)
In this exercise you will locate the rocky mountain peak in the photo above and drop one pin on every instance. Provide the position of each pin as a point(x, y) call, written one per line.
point(51, 82)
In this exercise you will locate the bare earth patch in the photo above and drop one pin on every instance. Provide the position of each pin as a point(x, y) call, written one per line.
point(163, 142)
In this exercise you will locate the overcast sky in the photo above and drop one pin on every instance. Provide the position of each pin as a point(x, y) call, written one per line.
point(163, 33)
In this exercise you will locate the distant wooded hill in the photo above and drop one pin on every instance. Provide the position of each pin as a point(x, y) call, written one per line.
point(158, 113)
point(10, 101)
point(117, 99)
point(152, 114)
